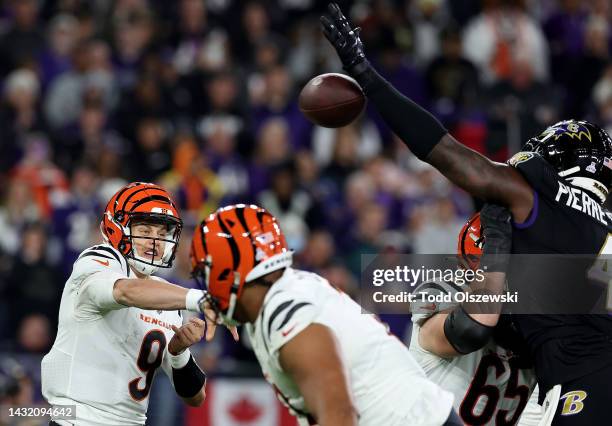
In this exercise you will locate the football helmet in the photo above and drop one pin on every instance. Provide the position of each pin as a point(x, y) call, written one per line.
point(235, 245)
point(140, 202)
point(470, 243)
point(580, 151)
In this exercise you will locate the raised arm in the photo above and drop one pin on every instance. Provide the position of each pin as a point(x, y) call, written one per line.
point(422, 133)
point(312, 359)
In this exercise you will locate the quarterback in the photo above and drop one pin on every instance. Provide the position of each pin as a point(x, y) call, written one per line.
point(329, 363)
point(118, 323)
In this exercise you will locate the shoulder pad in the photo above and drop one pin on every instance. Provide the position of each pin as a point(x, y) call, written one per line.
point(105, 255)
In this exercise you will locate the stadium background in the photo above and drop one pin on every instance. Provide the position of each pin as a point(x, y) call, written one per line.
point(200, 96)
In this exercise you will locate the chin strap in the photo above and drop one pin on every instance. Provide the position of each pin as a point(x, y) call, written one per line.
point(233, 297)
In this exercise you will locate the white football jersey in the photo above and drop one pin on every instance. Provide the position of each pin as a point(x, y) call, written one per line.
point(105, 355)
point(489, 385)
point(388, 386)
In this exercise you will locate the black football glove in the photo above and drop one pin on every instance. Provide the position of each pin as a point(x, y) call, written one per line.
point(497, 233)
point(346, 41)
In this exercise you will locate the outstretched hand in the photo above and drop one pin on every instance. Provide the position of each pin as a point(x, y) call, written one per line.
point(346, 41)
point(497, 233)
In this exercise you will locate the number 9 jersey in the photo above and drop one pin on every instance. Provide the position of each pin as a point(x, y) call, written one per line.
point(105, 354)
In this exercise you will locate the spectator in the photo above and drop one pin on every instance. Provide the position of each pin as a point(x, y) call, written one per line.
point(62, 38)
point(23, 41)
point(367, 235)
point(19, 114)
point(290, 205)
point(16, 387)
point(221, 103)
point(501, 37)
point(132, 34)
point(256, 40)
point(18, 209)
point(46, 180)
point(429, 18)
point(85, 140)
point(590, 65)
point(518, 108)
point(565, 30)
point(76, 217)
point(318, 252)
point(34, 334)
point(602, 96)
point(151, 155)
point(220, 148)
point(280, 102)
point(197, 44)
point(34, 285)
point(344, 159)
point(89, 78)
point(434, 228)
point(452, 80)
point(197, 189)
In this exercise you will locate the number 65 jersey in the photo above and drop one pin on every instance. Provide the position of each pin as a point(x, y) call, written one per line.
point(105, 354)
point(492, 386)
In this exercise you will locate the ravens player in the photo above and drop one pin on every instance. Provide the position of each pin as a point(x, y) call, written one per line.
point(555, 192)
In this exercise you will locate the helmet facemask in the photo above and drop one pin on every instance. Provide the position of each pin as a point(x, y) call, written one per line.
point(213, 311)
point(158, 254)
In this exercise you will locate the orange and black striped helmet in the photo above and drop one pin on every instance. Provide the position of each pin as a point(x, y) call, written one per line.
point(234, 245)
point(470, 242)
point(146, 202)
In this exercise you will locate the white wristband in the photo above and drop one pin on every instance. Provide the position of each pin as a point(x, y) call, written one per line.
point(193, 299)
point(179, 361)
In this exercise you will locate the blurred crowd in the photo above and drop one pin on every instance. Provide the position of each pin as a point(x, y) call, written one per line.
point(201, 97)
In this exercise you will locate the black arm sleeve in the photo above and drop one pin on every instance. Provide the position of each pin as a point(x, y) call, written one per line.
point(188, 380)
point(416, 127)
point(464, 333)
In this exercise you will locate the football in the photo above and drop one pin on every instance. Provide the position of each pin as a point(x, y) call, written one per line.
point(332, 100)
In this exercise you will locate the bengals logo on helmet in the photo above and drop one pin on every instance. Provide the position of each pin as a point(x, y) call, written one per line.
point(235, 245)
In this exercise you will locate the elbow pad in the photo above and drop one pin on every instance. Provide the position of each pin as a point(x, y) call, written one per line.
point(464, 333)
point(188, 380)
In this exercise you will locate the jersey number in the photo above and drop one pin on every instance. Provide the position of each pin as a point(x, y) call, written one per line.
point(479, 388)
point(146, 365)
